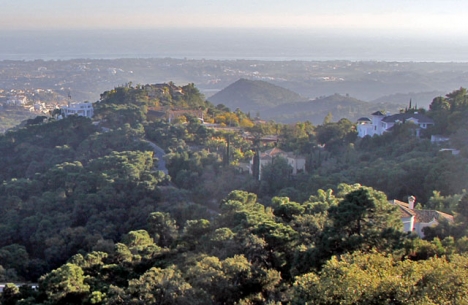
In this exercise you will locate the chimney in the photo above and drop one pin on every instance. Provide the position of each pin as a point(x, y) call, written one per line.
point(411, 201)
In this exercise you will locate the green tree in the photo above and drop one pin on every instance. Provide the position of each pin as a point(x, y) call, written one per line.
point(14, 257)
point(65, 285)
point(328, 118)
point(286, 209)
point(10, 294)
point(336, 135)
point(375, 278)
point(194, 230)
point(276, 175)
point(161, 286)
point(363, 220)
point(163, 227)
point(233, 280)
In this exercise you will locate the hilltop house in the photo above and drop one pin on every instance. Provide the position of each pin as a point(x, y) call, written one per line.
point(381, 123)
point(81, 109)
point(415, 220)
point(296, 162)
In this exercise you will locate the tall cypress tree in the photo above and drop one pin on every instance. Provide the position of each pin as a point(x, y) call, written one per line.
point(256, 165)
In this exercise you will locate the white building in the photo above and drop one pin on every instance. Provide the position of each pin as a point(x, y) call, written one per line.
point(381, 123)
point(415, 220)
point(81, 109)
point(438, 139)
point(296, 162)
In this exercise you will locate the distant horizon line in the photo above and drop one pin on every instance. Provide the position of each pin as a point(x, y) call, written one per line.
point(313, 30)
point(238, 59)
point(283, 44)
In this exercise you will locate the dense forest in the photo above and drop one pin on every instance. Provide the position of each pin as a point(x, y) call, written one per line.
point(87, 215)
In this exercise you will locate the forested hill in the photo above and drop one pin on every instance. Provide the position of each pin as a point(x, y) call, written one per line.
point(86, 214)
point(282, 105)
point(72, 184)
point(254, 95)
point(316, 110)
point(421, 99)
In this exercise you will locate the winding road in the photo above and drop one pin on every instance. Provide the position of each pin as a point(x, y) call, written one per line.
point(159, 152)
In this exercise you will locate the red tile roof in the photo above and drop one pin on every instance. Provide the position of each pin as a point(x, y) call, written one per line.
point(421, 215)
point(405, 211)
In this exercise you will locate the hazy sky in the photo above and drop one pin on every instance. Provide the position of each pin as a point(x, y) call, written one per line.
point(432, 17)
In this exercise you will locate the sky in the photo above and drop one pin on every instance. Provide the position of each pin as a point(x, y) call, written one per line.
point(421, 17)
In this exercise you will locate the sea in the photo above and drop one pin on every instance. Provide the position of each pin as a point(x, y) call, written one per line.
point(230, 44)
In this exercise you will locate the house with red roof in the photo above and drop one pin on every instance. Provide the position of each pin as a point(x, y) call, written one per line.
point(414, 220)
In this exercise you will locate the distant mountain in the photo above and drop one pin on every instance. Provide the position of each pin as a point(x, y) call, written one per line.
point(254, 96)
point(273, 102)
point(315, 110)
point(420, 99)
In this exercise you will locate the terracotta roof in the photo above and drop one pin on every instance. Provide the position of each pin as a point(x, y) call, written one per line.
point(273, 152)
point(421, 215)
point(405, 211)
point(400, 203)
point(429, 215)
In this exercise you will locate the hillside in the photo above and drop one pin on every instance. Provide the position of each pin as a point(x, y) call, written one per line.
point(254, 95)
point(316, 110)
point(86, 215)
point(276, 103)
point(9, 118)
point(420, 99)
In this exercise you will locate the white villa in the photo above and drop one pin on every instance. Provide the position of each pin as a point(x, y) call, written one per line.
point(381, 123)
point(415, 220)
point(81, 109)
point(296, 162)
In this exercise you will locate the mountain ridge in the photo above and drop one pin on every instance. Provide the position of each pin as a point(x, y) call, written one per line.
point(254, 95)
point(273, 102)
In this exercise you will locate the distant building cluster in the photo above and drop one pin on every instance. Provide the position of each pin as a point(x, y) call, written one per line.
point(22, 102)
point(381, 123)
point(17, 101)
point(81, 109)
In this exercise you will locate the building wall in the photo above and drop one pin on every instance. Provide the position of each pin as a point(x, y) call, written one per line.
point(298, 164)
point(376, 122)
point(420, 225)
point(408, 224)
point(364, 130)
point(80, 109)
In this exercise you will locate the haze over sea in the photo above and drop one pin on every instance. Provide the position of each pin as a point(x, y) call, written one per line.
point(229, 44)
